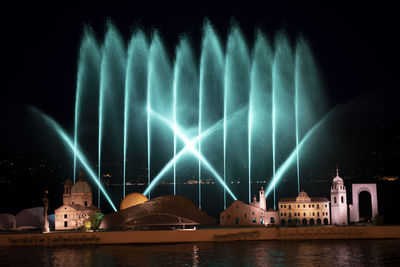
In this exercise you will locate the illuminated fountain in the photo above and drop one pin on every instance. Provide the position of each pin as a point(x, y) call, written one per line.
point(234, 114)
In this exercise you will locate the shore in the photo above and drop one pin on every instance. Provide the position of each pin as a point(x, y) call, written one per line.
point(201, 235)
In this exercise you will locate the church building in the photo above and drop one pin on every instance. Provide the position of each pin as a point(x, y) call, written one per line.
point(256, 213)
point(77, 205)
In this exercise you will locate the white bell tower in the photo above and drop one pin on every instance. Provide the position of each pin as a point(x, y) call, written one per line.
point(338, 201)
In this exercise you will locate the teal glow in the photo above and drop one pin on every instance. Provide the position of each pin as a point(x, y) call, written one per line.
point(174, 117)
point(249, 145)
point(89, 58)
point(296, 106)
point(289, 161)
point(189, 145)
point(273, 134)
point(69, 143)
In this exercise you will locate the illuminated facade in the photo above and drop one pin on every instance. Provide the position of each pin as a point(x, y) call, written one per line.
point(240, 213)
point(304, 210)
point(338, 201)
point(77, 205)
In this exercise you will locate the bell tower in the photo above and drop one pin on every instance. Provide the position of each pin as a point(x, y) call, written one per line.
point(67, 192)
point(263, 204)
point(338, 201)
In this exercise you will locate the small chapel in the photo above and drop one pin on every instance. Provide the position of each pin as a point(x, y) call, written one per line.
point(77, 205)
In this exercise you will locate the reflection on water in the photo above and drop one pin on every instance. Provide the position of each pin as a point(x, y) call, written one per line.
point(240, 253)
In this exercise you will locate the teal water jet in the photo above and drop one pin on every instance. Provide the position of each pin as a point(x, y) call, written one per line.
point(69, 143)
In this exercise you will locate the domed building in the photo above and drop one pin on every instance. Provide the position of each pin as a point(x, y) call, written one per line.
point(132, 199)
point(77, 205)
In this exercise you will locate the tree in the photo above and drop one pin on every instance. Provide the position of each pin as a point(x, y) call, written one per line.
point(95, 220)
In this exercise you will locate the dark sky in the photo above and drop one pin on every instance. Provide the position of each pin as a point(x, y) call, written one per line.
point(355, 45)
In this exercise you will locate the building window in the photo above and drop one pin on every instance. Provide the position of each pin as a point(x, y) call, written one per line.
point(342, 199)
point(281, 214)
point(284, 214)
point(85, 203)
point(290, 207)
point(334, 200)
point(284, 206)
point(326, 205)
point(317, 206)
point(298, 206)
point(313, 205)
point(309, 205)
point(304, 206)
point(229, 216)
point(313, 214)
point(304, 214)
point(318, 214)
point(65, 216)
point(237, 221)
point(262, 221)
point(254, 220)
point(245, 215)
point(290, 214)
point(272, 220)
point(253, 212)
point(65, 224)
point(281, 206)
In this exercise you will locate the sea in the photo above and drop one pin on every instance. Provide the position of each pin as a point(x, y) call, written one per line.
point(238, 253)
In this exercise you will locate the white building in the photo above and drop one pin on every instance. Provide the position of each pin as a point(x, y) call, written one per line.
point(338, 201)
point(77, 205)
point(256, 213)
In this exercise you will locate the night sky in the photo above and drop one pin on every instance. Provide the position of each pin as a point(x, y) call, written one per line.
point(355, 46)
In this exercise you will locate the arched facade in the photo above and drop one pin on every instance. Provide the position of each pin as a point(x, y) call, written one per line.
point(357, 189)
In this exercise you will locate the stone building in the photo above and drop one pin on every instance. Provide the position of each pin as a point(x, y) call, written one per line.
point(77, 205)
point(240, 213)
point(304, 210)
point(338, 201)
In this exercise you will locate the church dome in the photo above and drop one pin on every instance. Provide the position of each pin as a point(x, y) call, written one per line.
point(81, 187)
point(132, 199)
point(337, 179)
